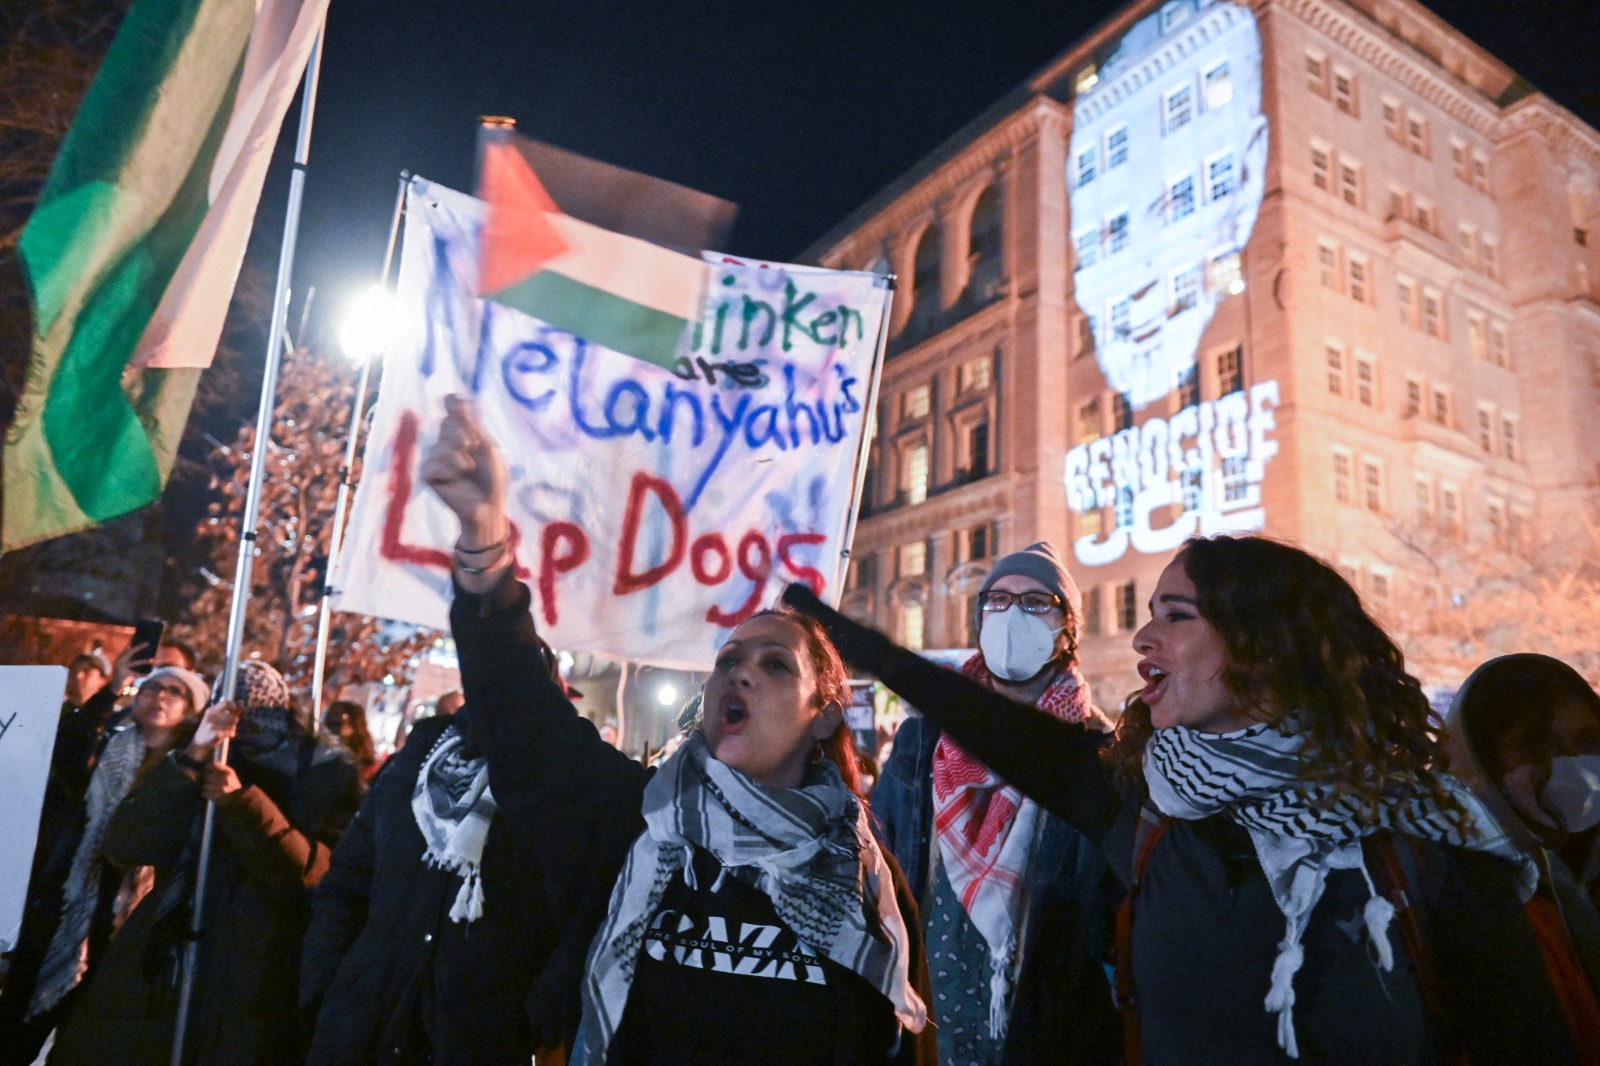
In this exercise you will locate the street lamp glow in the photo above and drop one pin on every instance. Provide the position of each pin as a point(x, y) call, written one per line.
point(368, 324)
point(667, 694)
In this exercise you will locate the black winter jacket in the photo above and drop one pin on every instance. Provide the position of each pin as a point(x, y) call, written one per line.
point(1206, 930)
point(390, 978)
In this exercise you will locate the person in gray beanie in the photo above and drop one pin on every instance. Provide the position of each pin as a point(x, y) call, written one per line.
point(1015, 903)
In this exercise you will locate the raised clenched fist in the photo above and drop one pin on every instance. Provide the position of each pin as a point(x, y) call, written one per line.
point(464, 469)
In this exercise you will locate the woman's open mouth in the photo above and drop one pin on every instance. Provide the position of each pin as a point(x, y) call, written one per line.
point(1153, 676)
point(733, 716)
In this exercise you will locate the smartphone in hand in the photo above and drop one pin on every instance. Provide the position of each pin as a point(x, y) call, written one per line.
point(146, 639)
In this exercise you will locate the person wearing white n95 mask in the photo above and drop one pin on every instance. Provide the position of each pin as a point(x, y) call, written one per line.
point(1001, 884)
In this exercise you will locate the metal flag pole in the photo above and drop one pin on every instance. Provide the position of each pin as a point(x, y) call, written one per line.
point(336, 535)
point(247, 530)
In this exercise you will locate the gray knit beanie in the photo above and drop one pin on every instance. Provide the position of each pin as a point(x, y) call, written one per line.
point(1040, 562)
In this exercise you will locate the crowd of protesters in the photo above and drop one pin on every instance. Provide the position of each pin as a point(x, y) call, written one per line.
point(1273, 853)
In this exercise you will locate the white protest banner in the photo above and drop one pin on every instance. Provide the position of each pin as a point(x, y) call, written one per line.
point(654, 508)
point(29, 713)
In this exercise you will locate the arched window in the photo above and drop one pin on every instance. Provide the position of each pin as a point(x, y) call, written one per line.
point(925, 283)
point(983, 249)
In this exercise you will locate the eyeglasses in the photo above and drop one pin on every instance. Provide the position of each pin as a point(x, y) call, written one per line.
point(174, 689)
point(1032, 602)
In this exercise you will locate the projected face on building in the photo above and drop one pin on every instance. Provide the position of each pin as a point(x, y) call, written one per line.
point(1165, 172)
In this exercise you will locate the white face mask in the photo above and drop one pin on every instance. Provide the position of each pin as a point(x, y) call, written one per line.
point(1016, 645)
point(1570, 800)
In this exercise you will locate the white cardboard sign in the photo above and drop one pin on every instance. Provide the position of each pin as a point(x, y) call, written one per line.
point(29, 711)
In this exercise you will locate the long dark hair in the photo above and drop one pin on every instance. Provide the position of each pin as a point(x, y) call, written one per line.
point(1300, 643)
point(359, 742)
point(833, 686)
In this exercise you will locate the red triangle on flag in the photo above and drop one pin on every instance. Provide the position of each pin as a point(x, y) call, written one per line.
point(517, 237)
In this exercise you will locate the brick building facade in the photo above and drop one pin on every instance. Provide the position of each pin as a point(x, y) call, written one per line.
point(1352, 299)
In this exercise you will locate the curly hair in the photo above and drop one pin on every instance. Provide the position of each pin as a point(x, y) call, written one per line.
point(1300, 643)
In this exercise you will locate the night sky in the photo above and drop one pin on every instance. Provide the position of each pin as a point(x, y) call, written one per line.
point(797, 111)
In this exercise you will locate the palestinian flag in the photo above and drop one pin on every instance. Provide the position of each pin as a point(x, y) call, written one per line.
point(134, 247)
point(628, 294)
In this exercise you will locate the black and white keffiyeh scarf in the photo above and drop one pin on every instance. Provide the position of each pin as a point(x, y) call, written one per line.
point(814, 856)
point(453, 807)
point(66, 960)
point(1251, 776)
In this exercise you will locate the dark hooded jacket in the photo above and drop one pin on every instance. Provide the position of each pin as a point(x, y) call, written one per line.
point(390, 978)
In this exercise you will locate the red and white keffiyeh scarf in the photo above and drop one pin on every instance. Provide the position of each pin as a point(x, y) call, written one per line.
point(985, 829)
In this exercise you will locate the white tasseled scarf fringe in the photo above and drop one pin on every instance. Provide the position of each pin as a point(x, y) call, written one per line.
point(455, 827)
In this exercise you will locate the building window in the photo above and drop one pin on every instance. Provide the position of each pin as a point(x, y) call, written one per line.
point(1399, 200)
point(1449, 509)
point(1341, 476)
point(1116, 147)
point(1477, 336)
point(1499, 350)
point(1235, 479)
point(1121, 412)
point(1185, 289)
point(1350, 182)
point(925, 282)
point(1406, 293)
point(1179, 108)
point(1432, 313)
point(1317, 73)
point(1091, 523)
point(1468, 239)
point(1180, 198)
point(912, 559)
point(1085, 335)
point(1328, 266)
point(1426, 217)
point(1219, 178)
point(1488, 256)
point(1218, 86)
point(1366, 382)
point(1508, 438)
point(1335, 369)
point(1345, 92)
point(978, 543)
point(975, 374)
point(1225, 275)
point(1093, 623)
point(1413, 398)
point(1424, 502)
point(1086, 164)
point(1124, 508)
point(916, 473)
point(1173, 15)
point(1089, 422)
point(1417, 138)
point(1495, 512)
point(1480, 171)
point(1087, 242)
point(1188, 386)
point(1379, 583)
point(1372, 485)
point(916, 402)
point(1486, 429)
point(911, 625)
point(978, 450)
point(1460, 165)
point(1394, 123)
point(1127, 607)
point(1192, 484)
point(1230, 371)
point(1087, 78)
point(1514, 525)
point(1357, 269)
point(1118, 229)
point(1441, 406)
point(1122, 320)
point(1321, 168)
